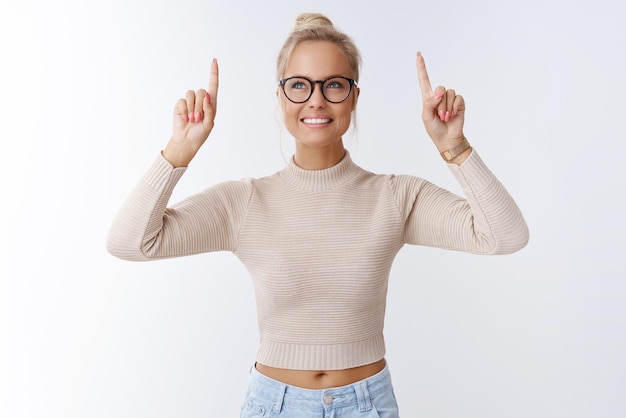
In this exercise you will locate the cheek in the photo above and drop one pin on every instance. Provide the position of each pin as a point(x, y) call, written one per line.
point(291, 112)
point(290, 116)
point(346, 113)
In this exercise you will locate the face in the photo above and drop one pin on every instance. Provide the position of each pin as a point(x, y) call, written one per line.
point(318, 123)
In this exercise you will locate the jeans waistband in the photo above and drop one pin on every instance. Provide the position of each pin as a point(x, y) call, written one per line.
point(360, 393)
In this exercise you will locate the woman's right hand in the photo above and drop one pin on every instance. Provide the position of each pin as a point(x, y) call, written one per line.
point(194, 118)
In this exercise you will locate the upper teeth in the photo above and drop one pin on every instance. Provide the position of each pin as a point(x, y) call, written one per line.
point(316, 121)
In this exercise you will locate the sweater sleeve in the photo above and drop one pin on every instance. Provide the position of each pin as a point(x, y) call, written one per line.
point(146, 228)
point(487, 221)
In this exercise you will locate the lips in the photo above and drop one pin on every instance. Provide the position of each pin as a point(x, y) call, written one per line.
point(316, 121)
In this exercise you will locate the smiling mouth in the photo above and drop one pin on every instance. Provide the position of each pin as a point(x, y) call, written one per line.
point(316, 121)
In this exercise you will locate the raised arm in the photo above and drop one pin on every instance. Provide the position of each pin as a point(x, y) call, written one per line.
point(487, 220)
point(147, 228)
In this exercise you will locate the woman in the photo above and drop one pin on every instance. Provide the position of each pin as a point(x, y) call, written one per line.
point(319, 236)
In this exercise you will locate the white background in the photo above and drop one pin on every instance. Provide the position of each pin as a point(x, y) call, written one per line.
point(87, 90)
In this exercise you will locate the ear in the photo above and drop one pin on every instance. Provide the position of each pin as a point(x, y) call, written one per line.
point(356, 98)
point(280, 98)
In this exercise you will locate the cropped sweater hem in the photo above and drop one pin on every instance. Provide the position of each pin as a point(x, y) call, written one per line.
point(321, 356)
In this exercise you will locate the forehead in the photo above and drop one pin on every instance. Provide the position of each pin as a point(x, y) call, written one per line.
point(317, 60)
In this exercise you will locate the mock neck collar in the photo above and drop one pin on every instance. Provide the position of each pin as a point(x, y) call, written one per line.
point(324, 179)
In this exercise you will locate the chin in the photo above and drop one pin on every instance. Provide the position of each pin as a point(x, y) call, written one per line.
point(319, 141)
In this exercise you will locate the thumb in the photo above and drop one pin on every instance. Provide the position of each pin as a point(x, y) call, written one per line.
point(433, 101)
point(430, 104)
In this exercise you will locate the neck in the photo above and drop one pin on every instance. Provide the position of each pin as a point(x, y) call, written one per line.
point(314, 158)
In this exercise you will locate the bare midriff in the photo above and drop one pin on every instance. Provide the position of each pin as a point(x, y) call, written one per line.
point(321, 379)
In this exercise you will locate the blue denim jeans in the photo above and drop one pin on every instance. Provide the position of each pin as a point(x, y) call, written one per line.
point(369, 398)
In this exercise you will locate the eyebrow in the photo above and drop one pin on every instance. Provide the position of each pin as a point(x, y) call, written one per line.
point(319, 79)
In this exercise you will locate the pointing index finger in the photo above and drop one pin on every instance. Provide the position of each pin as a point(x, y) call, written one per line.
point(213, 80)
point(422, 76)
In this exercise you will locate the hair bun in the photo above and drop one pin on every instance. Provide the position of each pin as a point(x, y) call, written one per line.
point(312, 21)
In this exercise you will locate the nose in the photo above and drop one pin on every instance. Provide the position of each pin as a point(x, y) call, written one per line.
point(317, 99)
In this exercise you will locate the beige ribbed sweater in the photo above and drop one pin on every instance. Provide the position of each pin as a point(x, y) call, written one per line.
point(318, 245)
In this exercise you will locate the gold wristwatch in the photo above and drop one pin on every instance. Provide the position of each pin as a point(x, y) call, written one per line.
point(454, 152)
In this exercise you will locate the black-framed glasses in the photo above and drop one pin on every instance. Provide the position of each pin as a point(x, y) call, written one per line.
point(300, 89)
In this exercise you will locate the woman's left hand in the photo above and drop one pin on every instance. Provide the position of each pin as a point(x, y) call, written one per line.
point(443, 111)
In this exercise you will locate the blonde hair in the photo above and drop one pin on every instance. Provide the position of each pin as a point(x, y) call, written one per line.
point(317, 27)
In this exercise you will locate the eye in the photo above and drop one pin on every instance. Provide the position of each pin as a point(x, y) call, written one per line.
point(336, 83)
point(297, 84)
